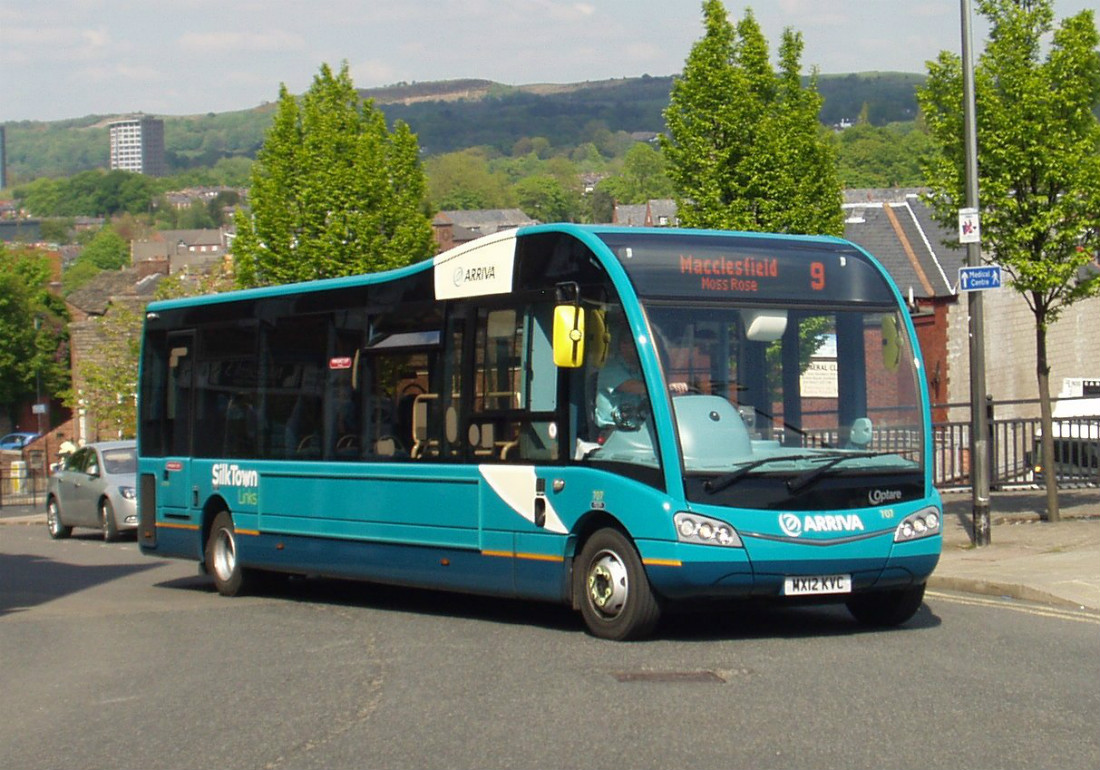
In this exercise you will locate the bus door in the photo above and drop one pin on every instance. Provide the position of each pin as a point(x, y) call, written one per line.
point(516, 401)
point(174, 489)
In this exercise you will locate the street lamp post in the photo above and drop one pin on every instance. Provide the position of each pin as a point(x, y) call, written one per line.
point(38, 406)
point(979, 424)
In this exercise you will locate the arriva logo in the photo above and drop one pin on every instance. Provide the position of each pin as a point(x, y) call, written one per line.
point(793, 526)
point(466, 274)
point(227, 475)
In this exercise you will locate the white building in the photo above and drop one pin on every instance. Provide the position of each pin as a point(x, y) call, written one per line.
point(137, 144)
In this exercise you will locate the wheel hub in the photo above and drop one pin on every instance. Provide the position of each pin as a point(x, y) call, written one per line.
point(225, 555)
point(608, 587)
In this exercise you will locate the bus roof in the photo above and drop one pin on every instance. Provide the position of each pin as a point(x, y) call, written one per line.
point(498, 249)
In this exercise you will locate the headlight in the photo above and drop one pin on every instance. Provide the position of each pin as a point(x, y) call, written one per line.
point(693, 528)
point(127, 492)
point(923, 523)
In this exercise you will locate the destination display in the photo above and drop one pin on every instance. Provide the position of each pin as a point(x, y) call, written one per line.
point(745, 267)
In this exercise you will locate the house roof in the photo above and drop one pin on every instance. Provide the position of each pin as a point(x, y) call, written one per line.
point(96, 296)
point(901, 233)
point(488, 221)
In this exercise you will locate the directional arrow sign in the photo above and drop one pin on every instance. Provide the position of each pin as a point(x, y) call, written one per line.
point(979, 278)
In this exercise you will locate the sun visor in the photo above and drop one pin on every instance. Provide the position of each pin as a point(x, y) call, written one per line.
point(764, 325)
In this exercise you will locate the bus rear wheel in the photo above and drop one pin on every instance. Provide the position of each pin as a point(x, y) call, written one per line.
point(611, 586)
point(887, 608)
point(221, 556)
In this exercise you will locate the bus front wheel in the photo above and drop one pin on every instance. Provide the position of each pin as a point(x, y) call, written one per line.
point(221, 556)
point(612, 589)
point(887, 608)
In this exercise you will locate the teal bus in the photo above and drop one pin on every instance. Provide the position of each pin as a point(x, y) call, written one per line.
point(453, 425)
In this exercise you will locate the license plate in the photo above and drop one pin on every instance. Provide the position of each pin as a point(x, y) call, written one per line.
point(817, 584)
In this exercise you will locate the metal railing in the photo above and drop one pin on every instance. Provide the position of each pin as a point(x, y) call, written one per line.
point(1015, 452)
point(20, 485)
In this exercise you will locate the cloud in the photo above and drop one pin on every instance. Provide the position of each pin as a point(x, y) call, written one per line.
point(274, 40)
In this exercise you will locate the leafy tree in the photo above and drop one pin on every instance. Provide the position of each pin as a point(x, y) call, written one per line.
point(333, 192)
point(464, 180)
point(107, 250)
point(644, 176)
point(546, 199)
point(33, 340)
point(1039, 162)
point(744, 147)
point(887, 156)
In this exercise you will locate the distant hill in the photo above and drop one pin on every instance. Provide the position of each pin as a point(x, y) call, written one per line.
point(446, 115)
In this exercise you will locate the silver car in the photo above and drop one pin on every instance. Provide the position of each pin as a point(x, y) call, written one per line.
point(95, 487)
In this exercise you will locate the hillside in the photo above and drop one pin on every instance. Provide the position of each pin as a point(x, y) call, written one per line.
point(446, 115)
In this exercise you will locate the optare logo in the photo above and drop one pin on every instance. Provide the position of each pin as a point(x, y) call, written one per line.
point(790, 524)
point(880, 496)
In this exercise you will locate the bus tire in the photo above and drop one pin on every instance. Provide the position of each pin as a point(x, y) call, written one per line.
point(221, 556)
point(887, 608)
point(612, 589)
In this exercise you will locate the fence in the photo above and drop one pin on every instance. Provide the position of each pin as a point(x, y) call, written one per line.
point(1015, 452)
point(20, 485)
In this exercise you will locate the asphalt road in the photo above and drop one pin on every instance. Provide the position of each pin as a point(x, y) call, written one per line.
point(112, 659)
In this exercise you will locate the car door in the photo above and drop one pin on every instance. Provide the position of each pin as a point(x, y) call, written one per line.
point(85, 493)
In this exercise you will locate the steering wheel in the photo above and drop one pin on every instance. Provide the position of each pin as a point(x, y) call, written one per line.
point(630, 412)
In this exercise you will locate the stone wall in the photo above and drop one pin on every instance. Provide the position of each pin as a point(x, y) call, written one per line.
point(1073, 349)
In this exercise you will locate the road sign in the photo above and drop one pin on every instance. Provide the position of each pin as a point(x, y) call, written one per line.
point(979, 278)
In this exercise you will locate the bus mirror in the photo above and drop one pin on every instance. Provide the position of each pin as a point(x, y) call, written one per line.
point(597, 338)
point(568, 336)
point(891, 343)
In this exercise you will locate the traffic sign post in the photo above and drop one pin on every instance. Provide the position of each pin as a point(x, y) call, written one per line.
point(979, 278)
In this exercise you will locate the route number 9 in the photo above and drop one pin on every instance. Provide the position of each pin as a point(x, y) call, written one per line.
point(817, 276)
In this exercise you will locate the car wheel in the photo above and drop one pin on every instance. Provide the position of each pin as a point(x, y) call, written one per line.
point(107, 521)
point(53, 521)
point(221, 557)
point(612, 589)
point(887, 608)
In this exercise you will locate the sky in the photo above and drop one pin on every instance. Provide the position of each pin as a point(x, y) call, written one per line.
point(64, 59)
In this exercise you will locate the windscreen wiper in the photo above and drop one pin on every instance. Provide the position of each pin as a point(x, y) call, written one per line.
point(805, 479)
point(717, 485)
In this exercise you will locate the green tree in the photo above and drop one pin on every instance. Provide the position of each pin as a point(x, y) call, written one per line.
point(33, 341)
point(107, 250)
point(644, 176)
point(744, 147)
point(333, 191)
point(545, 198)
point(886, 156)
point(464, 180)
point(1039, 162)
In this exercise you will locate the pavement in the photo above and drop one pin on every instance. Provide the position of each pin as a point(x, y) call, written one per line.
point(1027, 558)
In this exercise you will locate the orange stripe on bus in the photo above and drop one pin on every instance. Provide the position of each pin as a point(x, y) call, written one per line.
point(532, 556)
